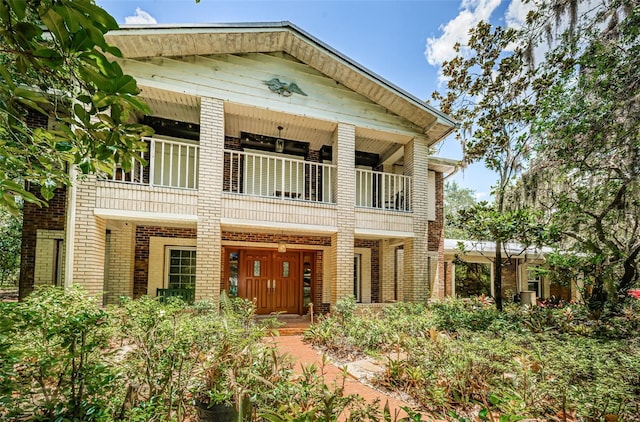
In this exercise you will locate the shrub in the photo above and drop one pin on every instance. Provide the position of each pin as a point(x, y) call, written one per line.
point(54, 367)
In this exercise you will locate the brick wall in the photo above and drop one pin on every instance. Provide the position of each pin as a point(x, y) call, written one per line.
point(34, 218)
point(436, 237)
point(275, 238)
point(141, 267)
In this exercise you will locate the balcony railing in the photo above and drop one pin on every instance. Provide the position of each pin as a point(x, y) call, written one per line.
point(387, 191)
point(172, 164)
point(278, 177)
point(175, 164)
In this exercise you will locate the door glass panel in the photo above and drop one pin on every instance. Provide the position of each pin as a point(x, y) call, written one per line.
point(285, 269)
point(306, 281)
point(256, 268)
point(233, 274)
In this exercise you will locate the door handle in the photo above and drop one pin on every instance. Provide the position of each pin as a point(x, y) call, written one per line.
point(268, 285)
point(274, 285)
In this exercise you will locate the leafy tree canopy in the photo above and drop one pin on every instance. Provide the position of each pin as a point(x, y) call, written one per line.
point(586, 172)
point(456, 198)
point(488, 91)
point(54, 60)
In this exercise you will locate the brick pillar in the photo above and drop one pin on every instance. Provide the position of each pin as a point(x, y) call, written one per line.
point(387, 271)
point(208, 244)
point(416, 277)
point(89, 239)
point(342, 242)
point(436, 239)
point(120, 260)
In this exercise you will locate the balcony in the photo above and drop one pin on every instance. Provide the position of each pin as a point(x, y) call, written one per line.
point(384, 191)
point(274, 176)
point(175, 164)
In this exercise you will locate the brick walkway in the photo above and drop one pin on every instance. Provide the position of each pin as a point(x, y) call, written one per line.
point(304, 354)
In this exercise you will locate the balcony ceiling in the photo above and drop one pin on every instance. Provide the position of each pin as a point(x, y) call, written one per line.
point(244, 118)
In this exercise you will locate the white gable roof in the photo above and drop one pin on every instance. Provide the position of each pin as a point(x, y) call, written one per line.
point(149, 41)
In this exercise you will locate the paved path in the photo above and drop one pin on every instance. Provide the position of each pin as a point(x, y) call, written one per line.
point(304, 354)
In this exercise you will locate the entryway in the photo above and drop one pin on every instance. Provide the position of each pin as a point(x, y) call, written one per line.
point(270, 278)
point(278, 282)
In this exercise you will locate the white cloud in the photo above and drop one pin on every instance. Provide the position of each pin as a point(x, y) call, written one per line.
point(517, 13)
point(440, 49)
point(480, 196)
point(140, 17)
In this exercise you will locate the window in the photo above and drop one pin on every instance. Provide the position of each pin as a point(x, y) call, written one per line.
point(307, 274)
point(181, 267)
point(233, 273)
point(534, 280)
point(357, 288)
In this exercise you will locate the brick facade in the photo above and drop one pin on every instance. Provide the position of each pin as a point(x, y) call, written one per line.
point(37, 218)
point(436, 239)
point(141, 268)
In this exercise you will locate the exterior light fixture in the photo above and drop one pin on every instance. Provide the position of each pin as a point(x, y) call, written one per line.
point(280, 141)
point(282, 246)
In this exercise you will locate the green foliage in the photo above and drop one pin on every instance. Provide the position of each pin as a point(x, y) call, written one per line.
point(10, 242)
point(519, 226)
point(489, 92)
point(465, 360)
point(53, 61)
point(52, 346)
point(585, 174)
point(456, 198)
point(309, 397)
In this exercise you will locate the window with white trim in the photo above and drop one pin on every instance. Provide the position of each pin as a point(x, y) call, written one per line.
point(180, 267)
point(534, 280)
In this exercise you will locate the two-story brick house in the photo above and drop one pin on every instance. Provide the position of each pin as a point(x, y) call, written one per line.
point(280, 171)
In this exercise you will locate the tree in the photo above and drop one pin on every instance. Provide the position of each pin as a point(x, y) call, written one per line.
point(513, 230)
point(456, 198)
point(488, 91)
point(55, 61)
point(586, 173)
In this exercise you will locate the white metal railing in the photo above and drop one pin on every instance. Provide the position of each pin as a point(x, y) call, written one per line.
point(278, 177)
point(388, 191)
point(170, 164)
point(174, 164)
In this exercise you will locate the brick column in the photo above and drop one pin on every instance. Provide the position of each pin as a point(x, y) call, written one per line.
point(416, 277)
point(89, 239)
point(208, 244)
point(387, 271)
point(436, 240)
point(342, 242)
point(119, 268)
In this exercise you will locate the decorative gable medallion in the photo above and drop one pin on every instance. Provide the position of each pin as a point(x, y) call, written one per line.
point(284, 89)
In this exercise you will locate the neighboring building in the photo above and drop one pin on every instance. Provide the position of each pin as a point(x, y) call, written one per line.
point(470, 272)
point(280, 171)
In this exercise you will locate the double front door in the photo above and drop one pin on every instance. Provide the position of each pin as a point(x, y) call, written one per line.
point(273, 279)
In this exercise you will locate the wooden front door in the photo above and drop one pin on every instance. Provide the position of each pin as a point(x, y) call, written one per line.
point(272, 279)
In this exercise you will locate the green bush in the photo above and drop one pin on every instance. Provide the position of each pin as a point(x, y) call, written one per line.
point(54, 349)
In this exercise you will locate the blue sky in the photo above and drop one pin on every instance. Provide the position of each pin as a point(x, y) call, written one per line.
point(403, 41)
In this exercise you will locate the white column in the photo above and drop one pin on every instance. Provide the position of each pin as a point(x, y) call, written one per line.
point(210, 173)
